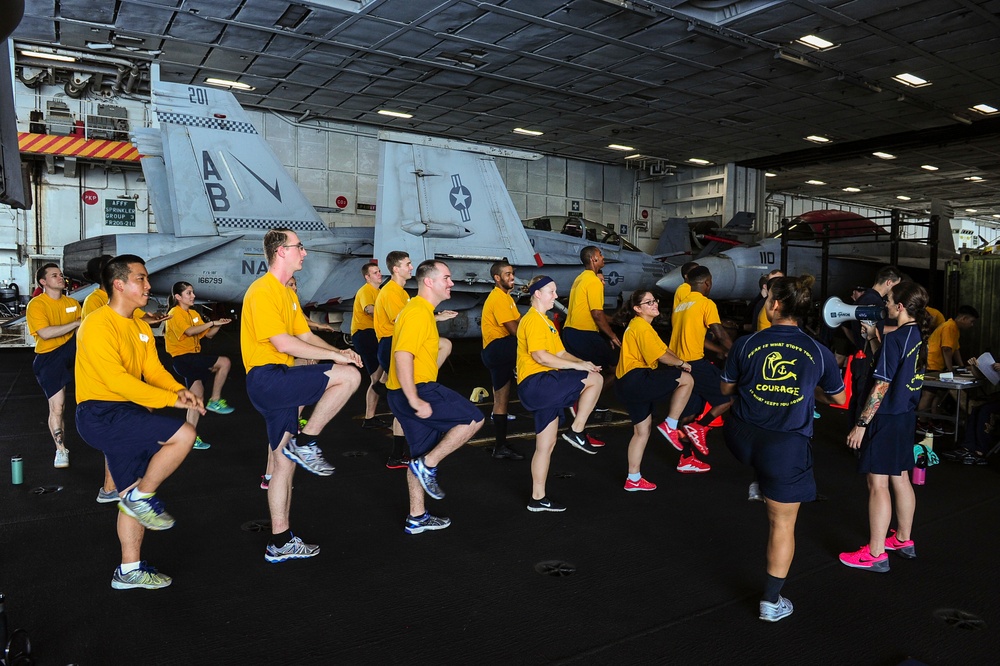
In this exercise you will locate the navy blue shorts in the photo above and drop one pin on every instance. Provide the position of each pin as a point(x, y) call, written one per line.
point(547, 394)
point(448, 410)
point(54, 369)
point(366, 344)
point(783, 460)
point(887, 447)
point(642, 387)
point(707, 386)
point(500, 358)
point(126, 433)
point(384, 353)
point(590, 346)
point(277, 392)
point(195, 367)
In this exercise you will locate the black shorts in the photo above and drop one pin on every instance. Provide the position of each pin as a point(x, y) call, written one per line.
point(640, 388)
point(277, 391)
point(54, 369)
point(448, 410)
point(887, 447)
point(547, 394)
point(707, 386)
point(126, 433)
point(195, 367)
point(589, 346)
point(384, 352)
point(366, 344)
point(500, 358)
point(783, 460)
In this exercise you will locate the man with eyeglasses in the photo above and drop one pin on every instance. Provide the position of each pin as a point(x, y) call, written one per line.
point(273, 333)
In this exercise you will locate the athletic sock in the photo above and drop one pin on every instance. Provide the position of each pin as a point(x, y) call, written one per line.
point(706, 420)
point(500, 428)
point(281, 538)
point(126, 567)
point(772, 588)
point(672, 423)
point(634, 477)
point(134, 495)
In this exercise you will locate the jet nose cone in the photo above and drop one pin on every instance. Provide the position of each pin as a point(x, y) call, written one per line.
point(671, 281)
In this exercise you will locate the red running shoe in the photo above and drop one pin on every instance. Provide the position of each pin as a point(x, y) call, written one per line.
point(691, 465)
point(697, 434)
point(641, 484)
point(594, 442)
point(672, 434)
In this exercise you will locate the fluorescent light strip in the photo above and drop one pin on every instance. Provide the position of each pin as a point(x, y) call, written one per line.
point(816, 138)
point(928, 167)
point(975, 179)
point(527, 132)
point(47, 56)
point(225, 83)
point(911, 80)
point(698, 161)
point(971, 210)
point(884, 156)
point(618, 146)
point(852, 189)
point(815, 182)
point(984, 109)
point(816, 42)
point(768, 174)
point(902, 197)
point(394, 114)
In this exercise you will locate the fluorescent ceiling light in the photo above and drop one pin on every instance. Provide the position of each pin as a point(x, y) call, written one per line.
point(618, 146)
point(797, 59)
point(911, 80)
point(995, 216)
point(974, 178)
point(815, 182)
point(971, 210)
point(394, 114)
point(637, 156)
point(47, 56)
point(902, 197)
point(225, 83)
point(815, 42)
point(528, 132)
point(99, 46)
point(928, 167)
point(852, 189)
point(984, 108)
point(884, 156)
point(768, 174)
point(698, 161)
point(815, 138)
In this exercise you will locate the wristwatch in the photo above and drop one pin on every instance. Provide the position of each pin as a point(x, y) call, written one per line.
point(861, 423)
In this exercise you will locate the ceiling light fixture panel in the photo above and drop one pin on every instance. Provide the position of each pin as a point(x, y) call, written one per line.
point(817, 43)
point(911, 80)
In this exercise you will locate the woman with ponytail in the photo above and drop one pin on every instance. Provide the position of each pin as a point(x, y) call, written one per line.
point(648, 373)
point(776, 375)
point(885, 429)
point(182, 337)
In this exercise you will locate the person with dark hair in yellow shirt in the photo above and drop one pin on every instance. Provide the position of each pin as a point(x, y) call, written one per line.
point(273, 333)
point(365, 342)
point(499, 327)
point(648, 372)
point(53, 319)
point(184, 331)
point(435, 419)
point(389, 302)
point(685, 287)
point(550, 379)
point(119, 380)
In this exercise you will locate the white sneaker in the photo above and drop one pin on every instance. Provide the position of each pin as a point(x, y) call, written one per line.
point(62, 459)
point(753, 495)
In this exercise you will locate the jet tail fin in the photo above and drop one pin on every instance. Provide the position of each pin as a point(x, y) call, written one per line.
point(223, 175)
point(675, 239)
point(437, 201)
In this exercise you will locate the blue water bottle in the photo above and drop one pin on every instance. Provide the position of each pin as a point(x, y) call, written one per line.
point(16, 471)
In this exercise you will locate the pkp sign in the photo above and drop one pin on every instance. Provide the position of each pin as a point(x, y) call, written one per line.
point(89, 197)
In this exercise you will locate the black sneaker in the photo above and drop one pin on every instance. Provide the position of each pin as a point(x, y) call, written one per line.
point(579, 440)
point(397, 463)
point(955, 455)
point(375, 422)
point(971, 458)
point(545, 504)
point(505, 452)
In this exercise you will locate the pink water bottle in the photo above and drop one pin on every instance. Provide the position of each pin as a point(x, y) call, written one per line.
point(919, 475)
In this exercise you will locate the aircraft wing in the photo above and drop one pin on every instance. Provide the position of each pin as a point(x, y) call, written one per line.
point(156, 264)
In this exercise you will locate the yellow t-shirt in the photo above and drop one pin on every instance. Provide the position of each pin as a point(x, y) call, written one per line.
point(936, 317)
point(681, 293)
point(98, 299)
point(181, 320)
point(535, 332)
point(43, 312)
point(269, 309)
point(390, 302)
point(116, 361)
point(691, 320)
point(361, 320)
point(498, 309)
point(641, 347)
point(586, 294)
point(945, 335)
point(762, 320)
point(416, 332)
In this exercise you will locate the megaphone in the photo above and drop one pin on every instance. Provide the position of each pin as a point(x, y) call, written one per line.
point(836, 312)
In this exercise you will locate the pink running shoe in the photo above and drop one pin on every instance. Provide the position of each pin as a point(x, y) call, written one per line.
point(904, 548)
point(691, 465)
point(672, 434)
point(697, 434)
point(641, 484)
point(863, 559)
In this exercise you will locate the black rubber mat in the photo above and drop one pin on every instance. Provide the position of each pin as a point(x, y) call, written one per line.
point(671, 576)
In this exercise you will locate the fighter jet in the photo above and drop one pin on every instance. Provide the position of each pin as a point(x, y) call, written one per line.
point(736, 271)
point(216, 186)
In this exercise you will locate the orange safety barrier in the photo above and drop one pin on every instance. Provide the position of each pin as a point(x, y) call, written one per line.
point(77, 146)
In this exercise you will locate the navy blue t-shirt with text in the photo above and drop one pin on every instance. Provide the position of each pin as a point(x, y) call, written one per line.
point(897, 364)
